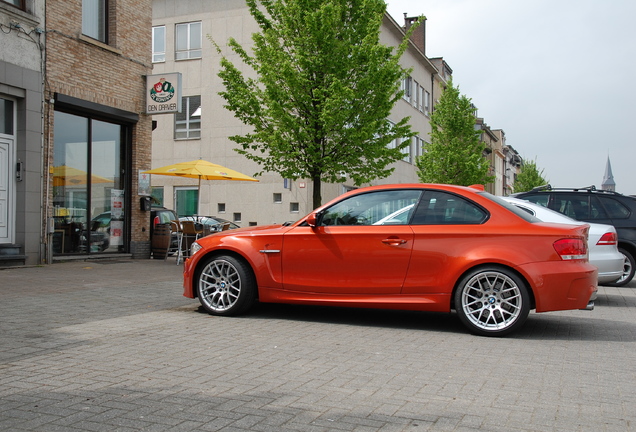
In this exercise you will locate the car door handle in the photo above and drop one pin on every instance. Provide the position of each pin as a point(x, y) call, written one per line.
point(394, 241)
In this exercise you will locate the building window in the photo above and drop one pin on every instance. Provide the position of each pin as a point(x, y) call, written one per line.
point(88, 186)
point(407, 84)
point(16, 3)
point(159, 44)
point(427, 102)
point(236, 217)
point(95, 19)
point(220, 208)
point(6, 116)
point(188, 122)
point(278, 198)
point(253, 223)
point(406, 151)
point(416, 94)
point(157, 194)
point(188, 41)
point(186, 201)
point(294, 207)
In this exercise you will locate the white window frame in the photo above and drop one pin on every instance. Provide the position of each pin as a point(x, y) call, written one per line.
point(185, 121)
point(407, 84)
point(158, 56)
point(427, 102)
point(416, 94)
point(190, 48)
point(408, 150)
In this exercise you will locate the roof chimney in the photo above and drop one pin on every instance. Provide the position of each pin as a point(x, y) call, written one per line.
point(419, 35)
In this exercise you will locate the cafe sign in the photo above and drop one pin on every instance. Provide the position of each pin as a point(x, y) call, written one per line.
point(163, 93)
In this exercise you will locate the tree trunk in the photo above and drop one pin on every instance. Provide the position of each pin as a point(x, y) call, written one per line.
point(317, 196)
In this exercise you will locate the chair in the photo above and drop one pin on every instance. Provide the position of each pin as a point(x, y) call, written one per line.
point(175, 229)
point(189, 233)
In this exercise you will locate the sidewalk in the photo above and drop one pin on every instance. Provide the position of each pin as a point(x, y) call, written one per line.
point(114, 346)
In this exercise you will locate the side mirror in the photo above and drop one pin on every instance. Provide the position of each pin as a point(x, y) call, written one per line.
point(311, 220)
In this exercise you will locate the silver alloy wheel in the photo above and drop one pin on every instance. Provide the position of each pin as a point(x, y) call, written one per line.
point(219, 285)
point(627, 271)
point(491, 301)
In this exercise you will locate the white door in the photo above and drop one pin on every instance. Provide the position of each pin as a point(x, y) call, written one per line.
point(7, 185)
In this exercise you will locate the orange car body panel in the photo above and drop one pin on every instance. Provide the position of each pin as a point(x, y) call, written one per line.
point(411, 267)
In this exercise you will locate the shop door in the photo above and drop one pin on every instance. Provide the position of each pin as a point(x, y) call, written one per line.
point(88, 189)
point(7, 184)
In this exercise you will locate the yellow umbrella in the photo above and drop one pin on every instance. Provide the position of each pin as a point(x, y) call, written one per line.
point(64, 175)
point(200, 169)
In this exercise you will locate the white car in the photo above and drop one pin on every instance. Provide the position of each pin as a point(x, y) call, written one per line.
point(602, 240)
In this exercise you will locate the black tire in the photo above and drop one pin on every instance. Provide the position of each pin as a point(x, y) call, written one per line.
point(226, 285)
point(628, 270)
point(492, 301)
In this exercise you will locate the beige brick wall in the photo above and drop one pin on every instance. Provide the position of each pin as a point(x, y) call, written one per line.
point(111, 75)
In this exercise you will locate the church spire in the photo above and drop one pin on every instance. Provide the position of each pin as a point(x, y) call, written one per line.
point(608, 179)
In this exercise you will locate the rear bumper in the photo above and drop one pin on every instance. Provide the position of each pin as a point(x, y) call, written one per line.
point(562, 285)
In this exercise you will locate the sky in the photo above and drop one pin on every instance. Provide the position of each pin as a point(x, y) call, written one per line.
point(558, 76)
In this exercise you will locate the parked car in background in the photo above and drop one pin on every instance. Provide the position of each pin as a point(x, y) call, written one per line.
point(599, 206)
point(458, 248)
point(602, 240)
point(213, 223)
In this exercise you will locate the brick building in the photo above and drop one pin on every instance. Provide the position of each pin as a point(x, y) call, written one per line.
point(97, 137)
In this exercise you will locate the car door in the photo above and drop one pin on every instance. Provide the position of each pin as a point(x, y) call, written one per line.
point(357, 247)
point(446, 230)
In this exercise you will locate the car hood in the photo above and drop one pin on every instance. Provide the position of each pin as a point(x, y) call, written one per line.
point(250, 231)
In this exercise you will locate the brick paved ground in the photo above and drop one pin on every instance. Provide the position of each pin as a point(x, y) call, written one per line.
point(113, 346)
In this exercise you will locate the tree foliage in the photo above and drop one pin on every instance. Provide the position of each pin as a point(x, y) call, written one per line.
point(529, 177)
point(323, 90)
point(455, 154)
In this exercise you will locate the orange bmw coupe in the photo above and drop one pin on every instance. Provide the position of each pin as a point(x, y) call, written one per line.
point(424, 247)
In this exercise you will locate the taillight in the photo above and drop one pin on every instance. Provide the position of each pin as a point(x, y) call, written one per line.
point(608, 239)
point(571, 248)
point(155, 221)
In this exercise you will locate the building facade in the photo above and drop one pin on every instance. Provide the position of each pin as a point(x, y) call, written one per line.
point(73, 133)
point(21, 131)
point(98, 138)
point(181, 33)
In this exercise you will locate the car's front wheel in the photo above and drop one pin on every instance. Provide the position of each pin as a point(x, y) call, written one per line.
point(492, 301)
point(629, 267)
point(226, 285)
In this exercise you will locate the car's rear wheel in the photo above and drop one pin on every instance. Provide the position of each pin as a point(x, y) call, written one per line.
point(628, 269)
point(226, 285)
point(492, 301)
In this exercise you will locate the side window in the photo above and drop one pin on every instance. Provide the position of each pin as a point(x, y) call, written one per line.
point(574, 206)
point(541, 199)
point(442, 208)
point(615, 209)
point(392, 207)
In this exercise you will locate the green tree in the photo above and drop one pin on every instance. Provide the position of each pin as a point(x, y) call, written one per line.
point(529, 177)
point(323, 91)
point(455, 154)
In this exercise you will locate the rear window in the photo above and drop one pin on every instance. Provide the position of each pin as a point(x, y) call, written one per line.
point(513, 208)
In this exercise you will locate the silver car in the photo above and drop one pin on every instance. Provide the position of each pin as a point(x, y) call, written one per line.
point(602, 240)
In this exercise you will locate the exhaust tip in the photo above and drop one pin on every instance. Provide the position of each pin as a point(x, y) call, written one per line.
point(590, 306)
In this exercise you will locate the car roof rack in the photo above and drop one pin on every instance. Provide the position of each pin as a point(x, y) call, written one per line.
point(591, 188)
